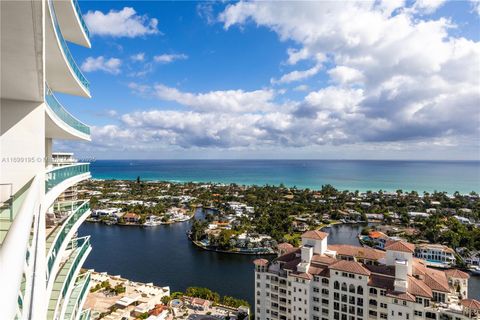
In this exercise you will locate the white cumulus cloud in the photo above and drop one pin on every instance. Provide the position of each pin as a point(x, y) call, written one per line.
point(111, 65)
point(123, 23)
point(167, 58)
point(226, 101)
point(383, 75)
point(138, 57)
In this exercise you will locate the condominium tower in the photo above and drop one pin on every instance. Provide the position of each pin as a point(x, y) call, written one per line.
point(40, 254)
point(342, 282)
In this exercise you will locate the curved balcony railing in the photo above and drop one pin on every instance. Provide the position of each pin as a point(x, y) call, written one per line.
point(73, 65)
point(67, 272)
point(77, 296)
point(14, 249)
point(60, 174)
point(85, 315)
point(80, 17)
point(83, 244)
point(62, 113)
point(60, 235)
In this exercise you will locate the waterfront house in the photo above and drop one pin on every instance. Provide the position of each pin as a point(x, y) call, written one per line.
point(470, 257)
point(200, 304)
point(377, 238)
point(375, 216)
point(435, 255)
point(107, 212)
point(131, 218)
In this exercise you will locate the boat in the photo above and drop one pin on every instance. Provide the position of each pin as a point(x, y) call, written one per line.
point(475, 270)
point(152, 221)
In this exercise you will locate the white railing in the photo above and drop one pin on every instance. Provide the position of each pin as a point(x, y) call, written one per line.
point(14, 250)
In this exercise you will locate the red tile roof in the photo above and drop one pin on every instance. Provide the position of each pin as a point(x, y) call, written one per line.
point(131, 215)
point(377, 235)
point(285, 246)
point(381, 282)
point(315, 234)
point(419, 267)
point(302, 275)
point(325, 260)
point(260, 262)
point(419, 288)
point(200, 302)
point(436, 280)
point(401, 295)
point(350, 266)
point(471, 304)
point(400, 246)
point(357, 251)
point(455, 273)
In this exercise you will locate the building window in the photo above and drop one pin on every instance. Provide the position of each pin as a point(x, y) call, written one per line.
point(359, 290)
point(336, 285)
point(359, 312)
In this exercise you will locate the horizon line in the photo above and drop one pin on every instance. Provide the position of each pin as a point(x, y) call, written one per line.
point(271, 159)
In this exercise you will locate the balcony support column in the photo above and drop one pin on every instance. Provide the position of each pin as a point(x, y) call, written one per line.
point(48, 153)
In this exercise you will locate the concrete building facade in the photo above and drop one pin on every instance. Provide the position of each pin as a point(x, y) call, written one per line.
point(40, 264)
point(318, 281)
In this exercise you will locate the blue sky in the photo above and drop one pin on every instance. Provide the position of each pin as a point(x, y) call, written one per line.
point(366, 80)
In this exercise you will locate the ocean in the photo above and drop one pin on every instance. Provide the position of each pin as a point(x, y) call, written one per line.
point(362, 175)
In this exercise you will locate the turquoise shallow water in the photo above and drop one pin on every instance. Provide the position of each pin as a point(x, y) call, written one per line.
point(362, 175)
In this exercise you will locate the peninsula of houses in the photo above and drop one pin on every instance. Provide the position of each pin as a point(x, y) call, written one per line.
point(254, 219)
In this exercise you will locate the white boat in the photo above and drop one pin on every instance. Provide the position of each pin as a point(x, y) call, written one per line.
point(475, 270)
point(152, 221)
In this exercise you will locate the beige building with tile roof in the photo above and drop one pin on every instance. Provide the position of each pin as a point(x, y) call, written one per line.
point(318, 281)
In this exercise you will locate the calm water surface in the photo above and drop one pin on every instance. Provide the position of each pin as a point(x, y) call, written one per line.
point(362, 175)
point(163, 255)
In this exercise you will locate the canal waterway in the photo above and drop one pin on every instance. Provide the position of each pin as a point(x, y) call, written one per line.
point(164, 255)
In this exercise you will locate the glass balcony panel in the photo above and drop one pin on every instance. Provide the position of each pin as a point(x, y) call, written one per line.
point(65, 49)
point(59, 234)
point(80, 17)
point(10, 205)
point(67, 271)
point(60, 174)
point(62, 113)
point(77, 296)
